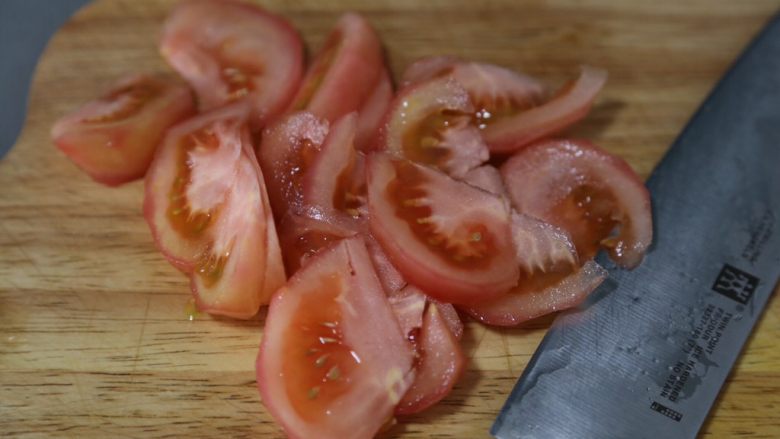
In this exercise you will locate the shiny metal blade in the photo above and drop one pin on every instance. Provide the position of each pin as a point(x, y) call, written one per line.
point(647, 354)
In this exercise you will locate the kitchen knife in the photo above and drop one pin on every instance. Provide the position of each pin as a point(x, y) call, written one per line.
point(646, 355)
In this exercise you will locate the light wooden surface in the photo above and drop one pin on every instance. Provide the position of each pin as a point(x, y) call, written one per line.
point(94, 337)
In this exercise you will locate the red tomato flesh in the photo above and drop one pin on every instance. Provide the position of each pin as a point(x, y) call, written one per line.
point(595, 196)
point(288, 148)
point(229, 50)
point(445, 236)
point(439, 366)
point(206, 205)
point(430, 123)
point(333, 362)
point(539, 295)
point(113, 138)
point(526, 125)
point(345, 71)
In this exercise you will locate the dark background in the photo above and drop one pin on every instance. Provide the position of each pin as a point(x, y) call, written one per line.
point(25, 28)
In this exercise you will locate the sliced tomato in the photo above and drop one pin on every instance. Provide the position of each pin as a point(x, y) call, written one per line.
point(595, 196)
point(392, 280)
point(431, 123)
point(520, 127)
point(440, 364)
point(540, 295)
point(496, 92)
point(333, 362)
point(428, 67)
point(207, 207)
point(487, 178)
point(229, 50)
point(551, 278)
point(448, 238)
point(306, 233)
point(371, 112)
point(345, 71)
point(450, 316)
point(330, 182)
point(288, 148)
point(408, 305)
point(113, 138)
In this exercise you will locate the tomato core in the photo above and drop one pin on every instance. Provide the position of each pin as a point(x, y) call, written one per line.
point(421, 143)
point(238, 81)
point(189, 224)
point(349, 195)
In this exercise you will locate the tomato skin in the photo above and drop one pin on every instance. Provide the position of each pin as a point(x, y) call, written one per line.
point(229, 275)
point(426, 267)
point(230, 50)
point(345, 71)
point(119, 149)
point(375, 384)
point(441, 365)
point(371, 113)
point(494, 90)
point(586, 191)
point(521, 304)
point(569, 106)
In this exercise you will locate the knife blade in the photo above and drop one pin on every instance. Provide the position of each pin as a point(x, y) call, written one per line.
point(646, 355)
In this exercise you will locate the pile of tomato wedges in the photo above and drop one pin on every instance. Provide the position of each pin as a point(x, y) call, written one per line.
point(369, 219)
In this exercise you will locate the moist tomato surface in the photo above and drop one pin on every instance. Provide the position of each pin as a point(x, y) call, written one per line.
point(206, 204)
point(344, 73)
point(431, 123)
point(229, 50)
point(113, 138)
point(448, 238)
point(595, 196)
point(333, 362)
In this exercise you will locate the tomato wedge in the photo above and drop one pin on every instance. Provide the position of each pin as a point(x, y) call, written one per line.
point(450, 316)
point(229, 50)
point(569, 105)
point(330, 182)
point(595, 196)
point(439, 366)
point(431, 123)
point(333, 362)
point(304, 234)
point(551, 278)
point(540, 295)
point(448, 238)
point(113, 138)
point(345, 71)
point(371, 113)
point(496, 92)
point(288, 148)
point(206, 205)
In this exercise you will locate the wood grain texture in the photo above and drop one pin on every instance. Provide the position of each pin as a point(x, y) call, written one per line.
point(94, 338)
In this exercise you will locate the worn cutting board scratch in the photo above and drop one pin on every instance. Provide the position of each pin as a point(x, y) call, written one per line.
point(94, 337)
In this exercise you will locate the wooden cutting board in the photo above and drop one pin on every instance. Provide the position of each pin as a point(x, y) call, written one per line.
point(95, 336)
